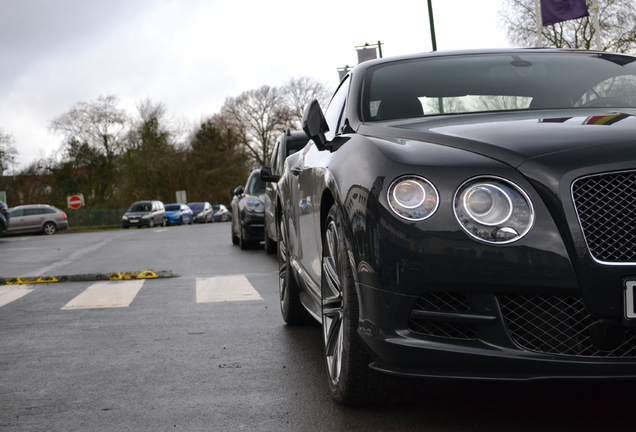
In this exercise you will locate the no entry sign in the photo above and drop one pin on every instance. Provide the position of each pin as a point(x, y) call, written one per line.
point(75, 201)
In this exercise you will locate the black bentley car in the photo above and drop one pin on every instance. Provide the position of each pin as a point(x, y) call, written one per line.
point(467, 215)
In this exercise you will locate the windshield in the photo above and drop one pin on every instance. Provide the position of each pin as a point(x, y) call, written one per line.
point(255, 186)
point(196, 206)
point(173, 207)
point(140, 207)
point(498, 82)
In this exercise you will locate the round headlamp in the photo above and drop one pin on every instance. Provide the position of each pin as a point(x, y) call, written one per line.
point(413, 198)
point(493, 210)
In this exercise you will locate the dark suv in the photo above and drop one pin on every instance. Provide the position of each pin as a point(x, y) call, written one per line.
point(4, 218)
point(288, 143)
point(144, 213)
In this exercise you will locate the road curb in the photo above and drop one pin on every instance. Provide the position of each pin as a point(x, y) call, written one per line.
point(90, 277)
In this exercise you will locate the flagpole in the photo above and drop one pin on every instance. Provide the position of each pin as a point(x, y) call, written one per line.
point(537, 12)
point(597, 24)
point(432, 22)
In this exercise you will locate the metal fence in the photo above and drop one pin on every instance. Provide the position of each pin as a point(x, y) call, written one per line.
point(94, 218)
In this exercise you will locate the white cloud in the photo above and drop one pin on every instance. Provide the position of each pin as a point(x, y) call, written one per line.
point(191, 55)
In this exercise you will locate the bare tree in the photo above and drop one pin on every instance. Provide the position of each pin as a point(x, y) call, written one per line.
point(298, 92)
point(8, 151)
point(617, 26)
point(258, 116)
point(100, 124)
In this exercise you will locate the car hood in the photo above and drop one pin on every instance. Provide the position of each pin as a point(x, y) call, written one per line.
point(514, 138)
point(173, 213)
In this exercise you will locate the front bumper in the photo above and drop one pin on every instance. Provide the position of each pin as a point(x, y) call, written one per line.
point(488, 336)
point(253, 226)
point(135, 222)
point(173, 220)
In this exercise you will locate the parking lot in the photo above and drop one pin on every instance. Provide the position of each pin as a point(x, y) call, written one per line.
point(172, 356)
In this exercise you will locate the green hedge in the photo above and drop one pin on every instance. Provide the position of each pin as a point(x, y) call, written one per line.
point(94, 218)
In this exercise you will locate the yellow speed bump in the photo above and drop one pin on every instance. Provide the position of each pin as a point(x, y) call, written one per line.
point(144, 274)
point(30, 280)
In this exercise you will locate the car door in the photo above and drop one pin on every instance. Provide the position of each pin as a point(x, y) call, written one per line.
point(17, 221)
point(312, 177)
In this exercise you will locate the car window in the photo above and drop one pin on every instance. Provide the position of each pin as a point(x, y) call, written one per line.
point(273, 163)
point(255, 186)
point(620, 87)
point(173, 207)
point(140, 207)
point(17, 213)
point(497, 82)
point(47, 210)
point(336, 106)
point(32, 212)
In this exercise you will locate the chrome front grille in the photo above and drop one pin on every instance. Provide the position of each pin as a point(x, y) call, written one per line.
point(442, 302)
point(606, 207)
point(557, 325)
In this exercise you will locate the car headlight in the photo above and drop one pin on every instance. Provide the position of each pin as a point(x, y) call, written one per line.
point(145, 216)
point(124, 217)
point(493, 210)
point(253, 206)
point(413, 198)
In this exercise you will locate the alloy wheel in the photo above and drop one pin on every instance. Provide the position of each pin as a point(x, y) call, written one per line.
point(332, 305)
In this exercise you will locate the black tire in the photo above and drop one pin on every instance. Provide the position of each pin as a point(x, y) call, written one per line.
point(270, 245)
point(351, 381)
point(235, 239)
point(243, 244)
point(294, 313)
point(151, 223)
point(49, 228)
point(180, 220)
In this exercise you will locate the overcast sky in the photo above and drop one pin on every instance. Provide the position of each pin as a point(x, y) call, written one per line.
point(193, 54)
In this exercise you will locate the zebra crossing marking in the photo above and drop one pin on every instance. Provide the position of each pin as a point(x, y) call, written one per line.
point(106, 295)
point(117, 294)
point(9, 294)
point(225, 289)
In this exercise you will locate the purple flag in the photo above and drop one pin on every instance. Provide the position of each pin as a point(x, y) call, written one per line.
point(555, 11)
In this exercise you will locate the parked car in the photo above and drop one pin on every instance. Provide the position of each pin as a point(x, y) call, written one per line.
point(178, 214)
point(36, 218)
point(202, 211)
point(467, 215)
point(4, 218)
point(247, 210)
point(221, 213)
point(288, 143)
point(144, 213)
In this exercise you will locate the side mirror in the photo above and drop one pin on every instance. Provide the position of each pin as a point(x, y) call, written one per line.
point(239, 191)
point(267, 176)
point(314, 124)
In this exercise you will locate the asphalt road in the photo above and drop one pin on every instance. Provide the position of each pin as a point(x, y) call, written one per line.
point(182, 354)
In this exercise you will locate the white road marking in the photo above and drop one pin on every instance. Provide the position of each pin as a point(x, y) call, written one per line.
point(12, 293)
point(225, 289)
point(110, 294)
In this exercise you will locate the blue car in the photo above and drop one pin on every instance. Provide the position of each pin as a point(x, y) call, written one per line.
point(178, 214)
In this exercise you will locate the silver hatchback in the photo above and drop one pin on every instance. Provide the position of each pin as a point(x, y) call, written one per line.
point(36, 218)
